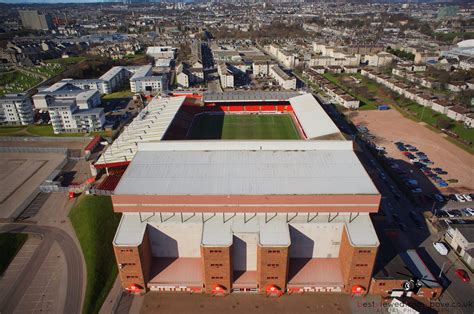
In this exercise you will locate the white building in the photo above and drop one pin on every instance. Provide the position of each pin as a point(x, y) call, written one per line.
point(461, 239)
point(284, 79)
point(16, 109)
point(261, 68)
point(70, 108)
point(226, 75)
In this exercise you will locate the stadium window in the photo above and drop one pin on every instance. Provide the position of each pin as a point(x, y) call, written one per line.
point(273, 265)
point(216, 265)
point(382, 284)
point(130, 277)
point(126, 250)
point(358, 278)
point(273, 251)
point(362, 265)
point(272, 277)
point(215, 251)
point(217, 277)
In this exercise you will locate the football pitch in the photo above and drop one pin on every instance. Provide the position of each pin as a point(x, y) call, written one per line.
point(243, 127)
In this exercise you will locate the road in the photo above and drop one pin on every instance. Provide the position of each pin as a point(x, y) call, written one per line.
point(73, 303)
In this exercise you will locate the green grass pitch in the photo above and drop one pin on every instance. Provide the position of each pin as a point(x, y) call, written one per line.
point(243, 127)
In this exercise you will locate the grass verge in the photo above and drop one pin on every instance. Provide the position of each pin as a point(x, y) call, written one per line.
point(10, 244)
point(95, 224)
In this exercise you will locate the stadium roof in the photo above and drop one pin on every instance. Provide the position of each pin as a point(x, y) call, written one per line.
point(248, 96)
point(313, 119)
point(246, 168)
point(150, 125)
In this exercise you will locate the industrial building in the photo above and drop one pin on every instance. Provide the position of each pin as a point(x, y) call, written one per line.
point(243, 216)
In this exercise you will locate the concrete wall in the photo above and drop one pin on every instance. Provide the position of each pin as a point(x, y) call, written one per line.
point(315, 240)
point(244, 251)
point(176, 240)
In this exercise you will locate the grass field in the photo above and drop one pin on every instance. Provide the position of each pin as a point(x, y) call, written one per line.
point(10, 244)
point(243, 127)
point(95, 224)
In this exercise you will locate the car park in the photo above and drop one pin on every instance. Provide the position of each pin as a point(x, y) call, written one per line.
point(462, 274)
point(440, 248)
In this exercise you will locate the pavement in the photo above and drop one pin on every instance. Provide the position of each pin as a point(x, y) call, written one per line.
point(41, 272)
point(20, 176)
point(172, 303)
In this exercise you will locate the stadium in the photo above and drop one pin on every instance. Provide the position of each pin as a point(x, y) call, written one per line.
point(285, 209)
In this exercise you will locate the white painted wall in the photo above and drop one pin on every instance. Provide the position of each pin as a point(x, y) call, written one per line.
point(318, 240)
point(176, 239)
point(244, 251)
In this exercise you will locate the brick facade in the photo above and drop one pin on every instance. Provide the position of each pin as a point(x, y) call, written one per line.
point(357, 264)
point(134, 263)
point(217, 267)
point(272, 267)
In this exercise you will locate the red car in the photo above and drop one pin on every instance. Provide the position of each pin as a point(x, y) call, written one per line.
point(461, 273)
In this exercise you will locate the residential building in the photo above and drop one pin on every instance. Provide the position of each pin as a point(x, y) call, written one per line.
point(16, 109)
point(31, 19)
point(285, 80)
point(226, 75)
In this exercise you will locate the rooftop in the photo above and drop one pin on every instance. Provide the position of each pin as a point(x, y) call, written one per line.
point(245, 168)
point(248, 96)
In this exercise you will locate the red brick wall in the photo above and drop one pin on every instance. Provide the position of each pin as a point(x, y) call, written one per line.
point(357, 263)
point(217, 267)
point(136, 263)
point(272, 267)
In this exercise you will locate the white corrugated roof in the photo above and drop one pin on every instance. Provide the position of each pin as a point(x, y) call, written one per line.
point(150, 125)
point(313, 119)
point(257, 168)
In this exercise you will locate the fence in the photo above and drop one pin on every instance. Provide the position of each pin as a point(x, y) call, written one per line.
point(57, 150)
point(101, 192)
point(44, 139)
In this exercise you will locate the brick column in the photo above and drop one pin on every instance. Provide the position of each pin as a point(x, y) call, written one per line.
point(272, 267)
point(217, 267)
point(134, 263)
point(357, 263)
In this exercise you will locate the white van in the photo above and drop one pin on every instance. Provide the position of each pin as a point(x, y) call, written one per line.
point(441, 248)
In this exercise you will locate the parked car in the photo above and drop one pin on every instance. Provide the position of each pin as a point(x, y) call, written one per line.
point(417, 191)
point(455, 212)
point(441, 248)
point(439, 198)
point(462, 274)
point(467, 197)
point(442, 184)
point(441, 214)
point(470, 210)
point(465, 212)
point(459, 198)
